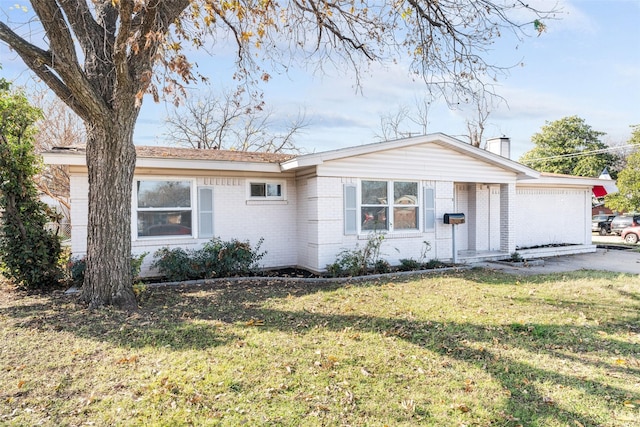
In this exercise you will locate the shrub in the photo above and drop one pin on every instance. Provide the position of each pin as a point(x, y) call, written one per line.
point(409, 264)
point(358, 261)
point(516, 257)
point(217, 258)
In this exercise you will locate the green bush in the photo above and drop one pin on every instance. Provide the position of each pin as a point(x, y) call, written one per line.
point(360, 260)
point(217, 258)
point(409, 264)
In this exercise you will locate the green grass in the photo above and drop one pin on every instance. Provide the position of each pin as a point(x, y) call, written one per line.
point(476, 349)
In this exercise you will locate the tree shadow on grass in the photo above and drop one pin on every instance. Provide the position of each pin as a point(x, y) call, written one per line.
point(464, 343)
point(190, 317)
point(167, 327)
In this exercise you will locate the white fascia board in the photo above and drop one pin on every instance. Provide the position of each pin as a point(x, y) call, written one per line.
point(169, 163)
point(79, 159)
point(568, 180)
point(71, 159)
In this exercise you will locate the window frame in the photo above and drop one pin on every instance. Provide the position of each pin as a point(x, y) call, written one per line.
point(266, 183)
point(193, 208)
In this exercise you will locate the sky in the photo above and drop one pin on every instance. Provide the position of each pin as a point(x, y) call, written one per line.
point(587, 64)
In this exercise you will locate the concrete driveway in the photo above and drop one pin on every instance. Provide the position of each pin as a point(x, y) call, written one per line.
point(621, 261)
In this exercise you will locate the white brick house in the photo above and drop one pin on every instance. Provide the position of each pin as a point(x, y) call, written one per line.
point(308, 208)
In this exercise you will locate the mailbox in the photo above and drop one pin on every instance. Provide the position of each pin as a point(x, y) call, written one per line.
point(454, 218)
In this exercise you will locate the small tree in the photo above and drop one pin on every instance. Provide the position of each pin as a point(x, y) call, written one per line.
point(628, 196)
point(29, 253)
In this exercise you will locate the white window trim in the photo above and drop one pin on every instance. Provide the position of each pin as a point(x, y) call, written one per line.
point(134, 209)
point(281, 183)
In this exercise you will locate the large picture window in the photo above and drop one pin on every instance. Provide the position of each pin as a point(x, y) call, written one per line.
point(379, 212)
point(163, 208)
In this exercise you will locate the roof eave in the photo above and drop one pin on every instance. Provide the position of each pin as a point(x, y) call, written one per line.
point(79, 159)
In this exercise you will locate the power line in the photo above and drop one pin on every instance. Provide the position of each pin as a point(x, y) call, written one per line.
point(581, 153)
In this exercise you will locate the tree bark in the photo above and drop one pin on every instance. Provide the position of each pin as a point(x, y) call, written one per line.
point(111, 161)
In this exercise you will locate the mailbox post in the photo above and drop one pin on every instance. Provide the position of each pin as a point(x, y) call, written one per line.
point(454, 219)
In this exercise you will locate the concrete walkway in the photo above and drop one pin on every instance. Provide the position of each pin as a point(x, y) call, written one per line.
point(620, 261)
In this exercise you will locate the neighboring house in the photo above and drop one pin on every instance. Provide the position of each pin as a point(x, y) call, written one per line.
point(308, 208)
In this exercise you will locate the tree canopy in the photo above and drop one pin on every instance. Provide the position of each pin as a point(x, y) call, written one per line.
point(627, 199)
point(569, 146)
point(100, 57)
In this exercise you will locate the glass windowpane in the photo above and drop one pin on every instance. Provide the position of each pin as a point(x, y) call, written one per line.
point(273, 190)
point(374, 192)
point(405, 218)
point(258, 190)
point(164, 223)
point(405, 193)
point(164, 194)
point(375, 218)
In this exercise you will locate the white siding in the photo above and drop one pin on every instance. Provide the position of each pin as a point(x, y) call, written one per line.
point(552, 216)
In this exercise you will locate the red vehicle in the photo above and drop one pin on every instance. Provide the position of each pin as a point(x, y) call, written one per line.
point(631, 234)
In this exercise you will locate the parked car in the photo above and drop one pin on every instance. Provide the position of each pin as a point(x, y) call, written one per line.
point(602, 224)
point(621, 222)
point(631, 234)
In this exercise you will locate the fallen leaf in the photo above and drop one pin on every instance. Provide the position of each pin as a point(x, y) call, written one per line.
point(548, 400)
point(468, 386)
point(131, 359)
point(21, 383)
point(463, 408)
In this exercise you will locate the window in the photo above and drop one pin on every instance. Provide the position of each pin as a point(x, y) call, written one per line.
point(380, 212)
point(265, 190)
point(163, 208)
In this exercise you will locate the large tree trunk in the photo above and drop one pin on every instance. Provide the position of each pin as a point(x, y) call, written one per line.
point(111, 159)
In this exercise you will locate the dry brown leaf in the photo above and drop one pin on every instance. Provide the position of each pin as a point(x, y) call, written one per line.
point(131, 359)
point(463, 408)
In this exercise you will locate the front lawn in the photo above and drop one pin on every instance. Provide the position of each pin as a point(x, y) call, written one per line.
point(476, 348)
